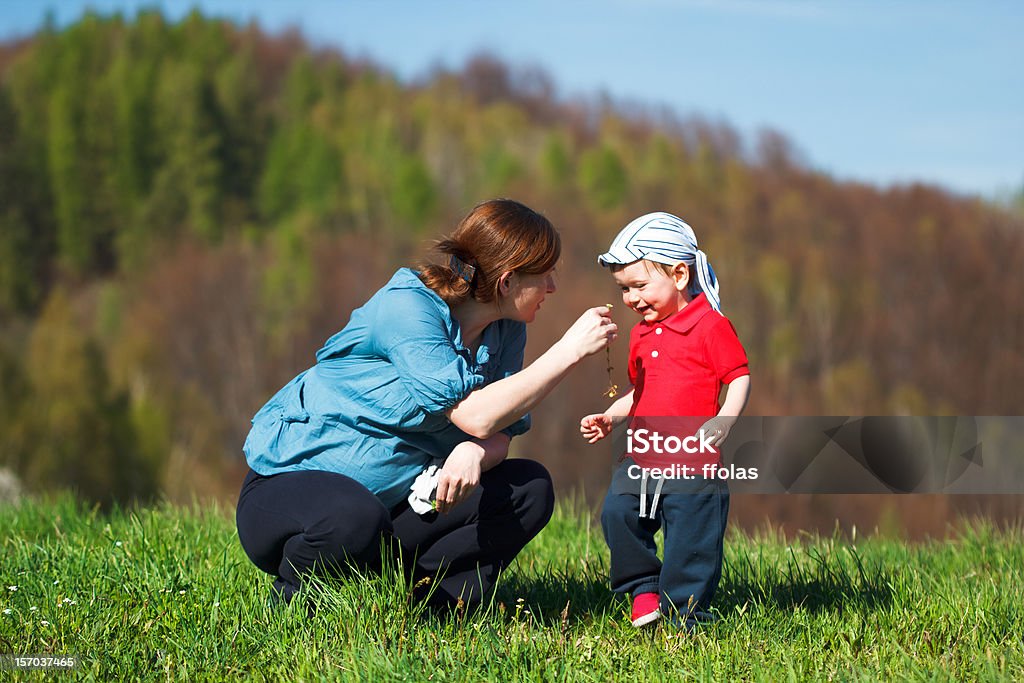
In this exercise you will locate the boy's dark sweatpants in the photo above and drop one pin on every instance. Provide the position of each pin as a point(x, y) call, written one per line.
point(295, 523)
point(694, 524)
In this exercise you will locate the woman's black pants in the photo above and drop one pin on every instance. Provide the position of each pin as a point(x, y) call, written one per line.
point(296, 523)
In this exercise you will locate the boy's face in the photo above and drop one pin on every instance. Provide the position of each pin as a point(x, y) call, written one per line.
point(649, 291)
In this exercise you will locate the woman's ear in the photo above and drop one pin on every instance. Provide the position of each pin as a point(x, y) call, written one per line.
point(505, 283)
point(681, 275)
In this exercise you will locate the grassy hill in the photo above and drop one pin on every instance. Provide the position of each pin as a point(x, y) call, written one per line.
point(167, 593)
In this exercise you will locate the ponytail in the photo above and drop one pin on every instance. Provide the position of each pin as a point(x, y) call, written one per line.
point(452, 281)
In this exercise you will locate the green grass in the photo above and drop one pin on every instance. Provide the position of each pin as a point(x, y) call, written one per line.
point(167, 593)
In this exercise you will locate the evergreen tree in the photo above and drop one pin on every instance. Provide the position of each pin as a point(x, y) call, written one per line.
point(413, 195)
point(80, 430)
point(25, 243)
point(603, 178)
point(556, 164)
point(303, 168)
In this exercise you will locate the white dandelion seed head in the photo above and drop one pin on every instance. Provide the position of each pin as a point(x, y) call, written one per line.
point(12, 588)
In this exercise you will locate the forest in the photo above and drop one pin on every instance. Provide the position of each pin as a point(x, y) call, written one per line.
point(189, 209)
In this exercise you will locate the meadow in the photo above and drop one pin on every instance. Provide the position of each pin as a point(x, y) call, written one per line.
point(166, 593)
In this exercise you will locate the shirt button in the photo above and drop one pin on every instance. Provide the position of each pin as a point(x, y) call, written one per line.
point(654, 354)
point(657, 330)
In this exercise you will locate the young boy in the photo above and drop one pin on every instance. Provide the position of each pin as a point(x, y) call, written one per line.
point(681, 353)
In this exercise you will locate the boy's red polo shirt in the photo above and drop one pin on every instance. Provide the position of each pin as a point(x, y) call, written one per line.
point(685, 359)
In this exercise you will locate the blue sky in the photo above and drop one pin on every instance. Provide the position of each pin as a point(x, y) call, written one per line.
point(882, 92)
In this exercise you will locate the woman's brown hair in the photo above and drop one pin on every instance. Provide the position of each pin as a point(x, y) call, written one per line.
point(498, 236)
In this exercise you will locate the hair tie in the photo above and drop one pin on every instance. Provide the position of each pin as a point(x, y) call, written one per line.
point(464, 270)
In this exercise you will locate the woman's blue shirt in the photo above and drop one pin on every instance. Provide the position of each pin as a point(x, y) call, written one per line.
point(373, 407)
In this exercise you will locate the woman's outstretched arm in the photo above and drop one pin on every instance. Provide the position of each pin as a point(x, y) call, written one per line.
point(490, 409)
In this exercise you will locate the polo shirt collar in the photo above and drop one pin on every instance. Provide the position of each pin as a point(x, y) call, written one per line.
point(681, 321)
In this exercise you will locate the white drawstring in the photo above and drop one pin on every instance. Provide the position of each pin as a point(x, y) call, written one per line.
point(643, 492)
point(657, 495)
point(644, 476)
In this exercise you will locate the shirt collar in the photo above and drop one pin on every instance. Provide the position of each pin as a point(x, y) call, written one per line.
point(681, 321)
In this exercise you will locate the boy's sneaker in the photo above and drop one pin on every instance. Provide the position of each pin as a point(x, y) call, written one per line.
point(645, 609)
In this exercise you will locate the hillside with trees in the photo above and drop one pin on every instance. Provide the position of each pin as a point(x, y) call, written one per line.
point(187, 210)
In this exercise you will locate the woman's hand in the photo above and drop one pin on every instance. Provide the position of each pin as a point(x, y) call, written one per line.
point(596, 427)
point(460, 475)
point(593, 331)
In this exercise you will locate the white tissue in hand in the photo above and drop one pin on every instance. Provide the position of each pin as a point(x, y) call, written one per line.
point(422, 496)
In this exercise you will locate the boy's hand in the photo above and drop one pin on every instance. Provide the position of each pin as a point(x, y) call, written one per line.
point(735, 399)
point(596, 427)
point(717, 429)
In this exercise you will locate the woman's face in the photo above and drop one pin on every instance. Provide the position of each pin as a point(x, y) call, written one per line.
point(526, 293)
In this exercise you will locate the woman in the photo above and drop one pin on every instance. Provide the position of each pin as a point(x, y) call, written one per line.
point(429, 370)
